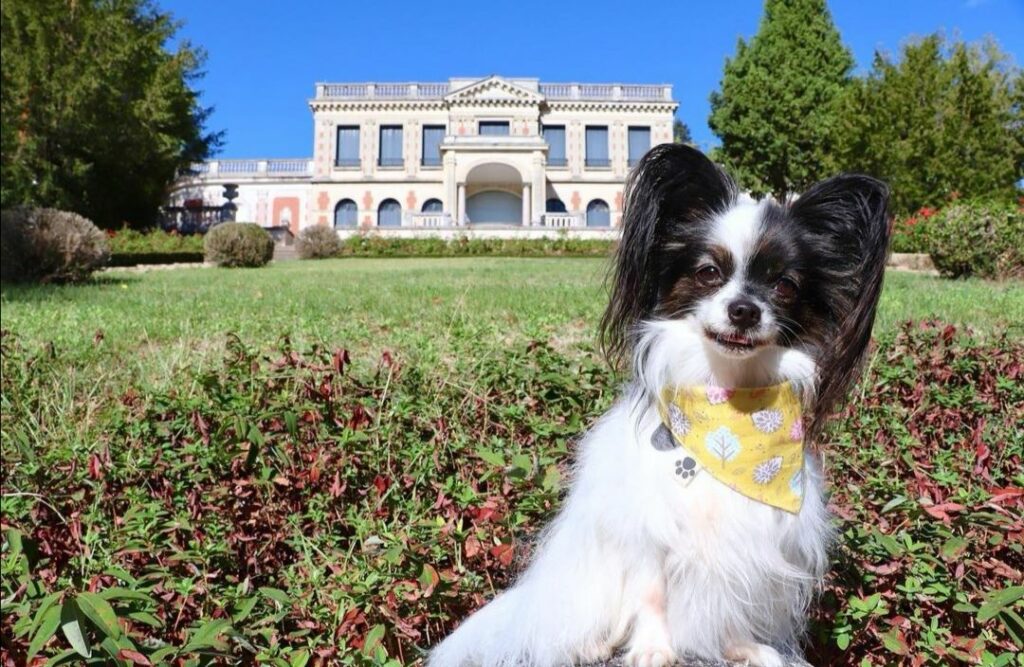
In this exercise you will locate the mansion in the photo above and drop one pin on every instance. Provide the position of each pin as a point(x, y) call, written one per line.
point(467, 154)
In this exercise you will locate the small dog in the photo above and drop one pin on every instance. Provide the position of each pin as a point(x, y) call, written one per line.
point(696, 524)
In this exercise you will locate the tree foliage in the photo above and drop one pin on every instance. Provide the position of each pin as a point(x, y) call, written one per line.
point(945, 119)
point(681, 132)
point(774, 112)
point(97, 114)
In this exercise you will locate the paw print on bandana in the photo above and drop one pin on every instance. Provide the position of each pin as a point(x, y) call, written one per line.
point(686, 467)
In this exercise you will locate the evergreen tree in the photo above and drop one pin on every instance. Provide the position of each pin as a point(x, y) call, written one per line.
point(944, 120)
point(681, 132)
point(96, 114)
point(775, 110)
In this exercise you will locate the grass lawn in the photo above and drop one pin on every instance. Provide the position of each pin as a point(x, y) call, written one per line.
point(420, 306)
point(197, 438)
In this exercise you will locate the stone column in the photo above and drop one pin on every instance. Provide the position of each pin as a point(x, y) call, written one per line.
point(526, 205)
point(539, 187)
point(460, 212)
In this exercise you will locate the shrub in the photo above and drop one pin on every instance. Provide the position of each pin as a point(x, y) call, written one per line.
point(49, 245)
point(909, 234)
point(318, 242)
point(129, 247)
point(238, 244)
point(978, 238)
point(561, 246)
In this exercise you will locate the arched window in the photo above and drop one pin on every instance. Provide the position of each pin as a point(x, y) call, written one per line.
point(389, 214)
point(345, 213)
point(432, 206)
point(598, 214)
point(554, 205)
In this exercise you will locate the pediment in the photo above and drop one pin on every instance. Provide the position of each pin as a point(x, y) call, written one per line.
point(494, 89)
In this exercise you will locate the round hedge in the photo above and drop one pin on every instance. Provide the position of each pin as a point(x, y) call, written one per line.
point(317, 242)
point(978, 238)
point(238, 244)
point(49, 245)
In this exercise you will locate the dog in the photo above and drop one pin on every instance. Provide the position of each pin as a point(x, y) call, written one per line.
point(746, 324)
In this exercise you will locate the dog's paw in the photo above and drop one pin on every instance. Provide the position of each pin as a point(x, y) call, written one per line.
point(597, 652)
point(755, 655)
point(661, 656)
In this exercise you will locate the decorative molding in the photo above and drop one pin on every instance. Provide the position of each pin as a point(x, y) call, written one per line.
point(494, 89)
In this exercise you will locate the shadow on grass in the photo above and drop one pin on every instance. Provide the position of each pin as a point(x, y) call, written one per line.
point(41, 292)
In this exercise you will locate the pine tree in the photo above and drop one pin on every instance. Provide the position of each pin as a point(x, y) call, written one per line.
point(944, 120)
point(775, 110)
point(681, 132)
point(96, 114)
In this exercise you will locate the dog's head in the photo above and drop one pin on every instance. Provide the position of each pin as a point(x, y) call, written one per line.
point(750, 280)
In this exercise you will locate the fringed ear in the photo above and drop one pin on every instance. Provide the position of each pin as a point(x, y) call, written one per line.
point(847, 220)
point(672, 186)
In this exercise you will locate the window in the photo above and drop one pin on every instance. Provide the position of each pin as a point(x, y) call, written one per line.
point(555, 136)
point(639, 143)
point(554, 205)
point(348, 146)
point(598, 214)
point(433, 135)
point(389, 214)
point(432, 206)
point(345, 213)
point(493, 128)
point(391, 146)
point(597, 146)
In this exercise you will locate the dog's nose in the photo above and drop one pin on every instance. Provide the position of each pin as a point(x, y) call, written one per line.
point(744, 313)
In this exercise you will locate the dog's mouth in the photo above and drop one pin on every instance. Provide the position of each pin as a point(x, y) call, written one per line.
point(735, 343)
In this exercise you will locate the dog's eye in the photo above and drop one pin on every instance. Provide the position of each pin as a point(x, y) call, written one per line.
point(709, 275)
point(786, 289)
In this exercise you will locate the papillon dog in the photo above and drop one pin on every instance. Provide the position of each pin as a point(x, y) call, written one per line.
point(696, 524)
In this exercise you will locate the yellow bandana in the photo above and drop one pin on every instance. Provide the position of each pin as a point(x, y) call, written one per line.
point(751, 440)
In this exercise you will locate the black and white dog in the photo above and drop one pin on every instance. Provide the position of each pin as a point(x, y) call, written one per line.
point(676, 539)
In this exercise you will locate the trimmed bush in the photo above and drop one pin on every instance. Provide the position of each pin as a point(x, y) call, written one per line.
point(49, 245)
point(318, 242)
point(378, 246)
point(238, 244)
point(976, 238)
point(129, 247)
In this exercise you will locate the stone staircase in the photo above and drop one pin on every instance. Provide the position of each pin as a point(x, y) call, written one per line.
point(285, 252)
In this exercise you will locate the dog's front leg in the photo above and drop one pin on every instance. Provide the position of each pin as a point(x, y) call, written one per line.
point(650, 644)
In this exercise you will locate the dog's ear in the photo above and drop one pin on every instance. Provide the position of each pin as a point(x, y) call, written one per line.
point(846, 218)
point(672, 186)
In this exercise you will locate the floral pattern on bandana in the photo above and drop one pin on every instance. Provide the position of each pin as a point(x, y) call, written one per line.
point(751, 440)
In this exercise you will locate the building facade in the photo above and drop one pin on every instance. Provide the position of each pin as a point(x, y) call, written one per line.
point(509, 154)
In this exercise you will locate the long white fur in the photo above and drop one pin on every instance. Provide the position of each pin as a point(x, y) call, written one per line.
point(637, 560)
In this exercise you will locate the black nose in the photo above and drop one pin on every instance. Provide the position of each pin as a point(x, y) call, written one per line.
point(744, 313)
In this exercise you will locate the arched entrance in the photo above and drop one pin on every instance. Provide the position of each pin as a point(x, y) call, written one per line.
point(494, 194)
point(494, 207)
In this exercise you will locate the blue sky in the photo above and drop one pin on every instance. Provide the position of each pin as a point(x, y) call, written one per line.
point(265, 56)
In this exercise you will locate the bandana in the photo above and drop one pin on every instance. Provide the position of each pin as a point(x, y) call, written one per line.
point(751, 440)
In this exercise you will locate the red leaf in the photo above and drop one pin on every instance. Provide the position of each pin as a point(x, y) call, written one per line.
point(339, 359)
point(95, 469)
point(504, 553)
point(134, 656)
point(337, 488)
point(381, 483)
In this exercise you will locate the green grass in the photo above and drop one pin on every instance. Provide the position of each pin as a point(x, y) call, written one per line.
point(187, 435)
point(418, 305)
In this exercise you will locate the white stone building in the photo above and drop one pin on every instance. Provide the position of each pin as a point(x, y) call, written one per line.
point(516, 156)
